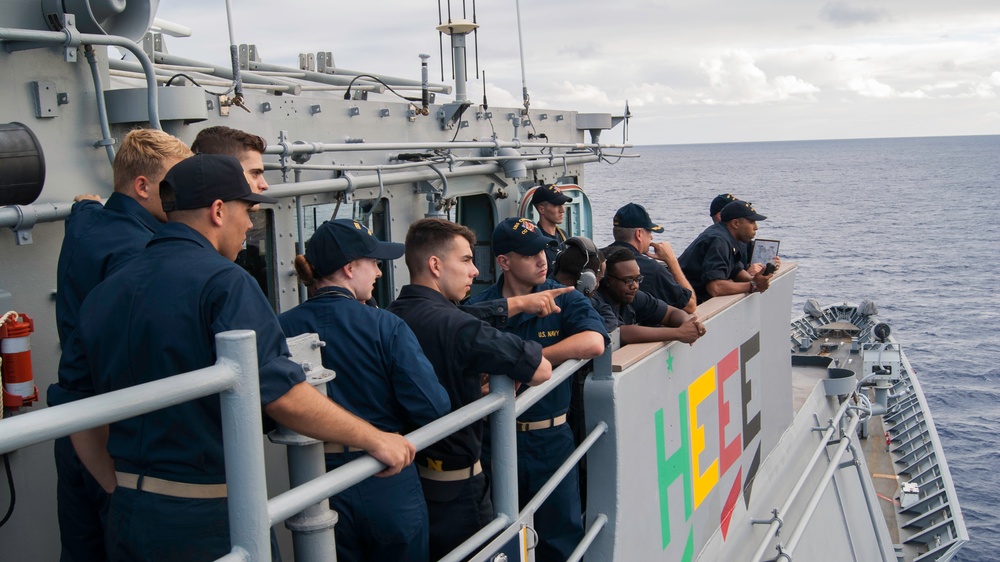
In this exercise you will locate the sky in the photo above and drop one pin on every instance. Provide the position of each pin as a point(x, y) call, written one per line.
point(698, 71)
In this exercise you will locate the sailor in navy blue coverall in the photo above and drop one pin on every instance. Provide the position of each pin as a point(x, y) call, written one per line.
point(166, 468)
point(550, 204)
point(382, 377)
point(544, 439)
point(98, 240)
point(461, 348)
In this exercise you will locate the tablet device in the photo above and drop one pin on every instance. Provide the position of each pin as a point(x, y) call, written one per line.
point(764, 250)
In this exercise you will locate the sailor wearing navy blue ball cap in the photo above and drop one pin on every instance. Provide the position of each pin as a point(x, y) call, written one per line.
point(575, 331)
point(633, 230)
point(714, 262)
point(550, 204)
point(383, 377)
point(167, 468)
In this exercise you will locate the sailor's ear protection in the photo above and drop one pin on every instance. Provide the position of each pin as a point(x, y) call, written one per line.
point(588, 276)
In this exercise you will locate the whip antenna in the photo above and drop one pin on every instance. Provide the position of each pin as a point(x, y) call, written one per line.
point(524, 78)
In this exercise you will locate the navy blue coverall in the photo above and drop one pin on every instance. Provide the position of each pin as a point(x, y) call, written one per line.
point(383, 378)
point(540, 452)
point(156, 317)
point(713, 256)
point(98, 240)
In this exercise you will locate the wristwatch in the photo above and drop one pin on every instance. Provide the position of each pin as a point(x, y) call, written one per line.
point(753, 286)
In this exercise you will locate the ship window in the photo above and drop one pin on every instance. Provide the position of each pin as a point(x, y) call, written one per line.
point(257, 257)
point(378, 221)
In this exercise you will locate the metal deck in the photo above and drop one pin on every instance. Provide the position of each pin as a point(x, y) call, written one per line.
point(931, 527)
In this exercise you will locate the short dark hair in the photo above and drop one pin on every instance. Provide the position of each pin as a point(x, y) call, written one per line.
point(431, 237)
point(226, 140)
point(615, 255)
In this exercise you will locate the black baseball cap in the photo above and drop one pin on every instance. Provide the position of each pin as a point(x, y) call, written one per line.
point(198, 181)
point(740, 210)
point(339, 242)
point(550, 194)
point(634, 215)
point(521, 236)
point(720, 202)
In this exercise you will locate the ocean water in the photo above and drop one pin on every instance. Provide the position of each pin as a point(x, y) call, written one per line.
point(909, 223)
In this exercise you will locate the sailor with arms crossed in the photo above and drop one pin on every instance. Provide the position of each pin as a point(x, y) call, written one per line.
point(550, 203)
point(460, 347)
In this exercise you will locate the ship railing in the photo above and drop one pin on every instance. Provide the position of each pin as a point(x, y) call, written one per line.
point(502, 408)
point(844, 446)
point(234, 377)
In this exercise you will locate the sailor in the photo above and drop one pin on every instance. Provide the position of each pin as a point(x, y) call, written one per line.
point(246, 147)
point(715, 208)
point(382, 377)
point(100, 239)
point(641, 316)
point(166, 468)
point(544, 440)
point(715, 211)
point(550, 204)
point(714, 260)
point(634, 230)
point(460, 347)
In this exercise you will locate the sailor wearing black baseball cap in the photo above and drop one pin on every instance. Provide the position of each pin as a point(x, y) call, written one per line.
point(634, 230)
point(550, 204)
point(214, 183)
point(718, 203)
point(383, 378)
point(715, 261)
point(175, 298)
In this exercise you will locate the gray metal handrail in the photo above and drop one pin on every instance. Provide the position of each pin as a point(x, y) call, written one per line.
point(235, 378)
point(503, 410)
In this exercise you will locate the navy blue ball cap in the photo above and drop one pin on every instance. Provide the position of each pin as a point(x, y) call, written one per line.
point(634, 215)
point(550, 194)
point(720, 203)
point(521, 236)
point(740, 210)
point(339, 242)
point(199, 181)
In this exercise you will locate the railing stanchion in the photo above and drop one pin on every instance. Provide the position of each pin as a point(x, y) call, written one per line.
point(241, 430)
point(503, 449)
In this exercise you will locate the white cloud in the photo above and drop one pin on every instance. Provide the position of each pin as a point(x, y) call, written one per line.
point(735, 79)
point(705, 70)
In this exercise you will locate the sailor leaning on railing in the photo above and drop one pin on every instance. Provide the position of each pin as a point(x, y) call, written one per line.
point(158, 316)
point(383, 377)
point(544, 439)
point(439, 256)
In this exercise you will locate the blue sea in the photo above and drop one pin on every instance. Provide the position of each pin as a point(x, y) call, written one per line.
point(909, 223)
